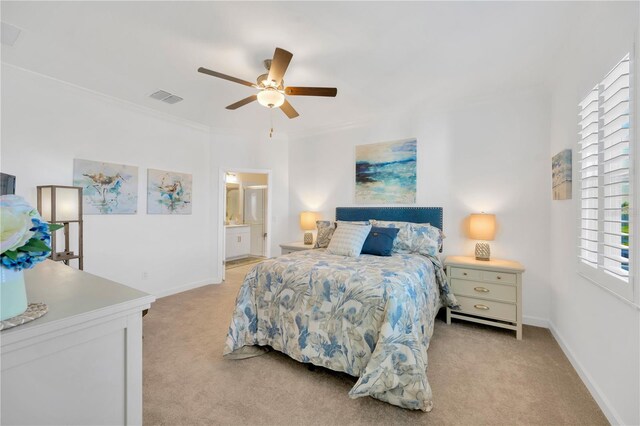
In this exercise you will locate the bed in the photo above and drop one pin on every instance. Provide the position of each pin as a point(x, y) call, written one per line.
point(369, 316)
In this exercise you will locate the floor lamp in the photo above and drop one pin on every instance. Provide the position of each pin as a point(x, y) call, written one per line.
point(62, 205)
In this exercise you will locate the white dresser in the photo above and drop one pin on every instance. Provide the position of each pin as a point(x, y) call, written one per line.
point(489, 292)
point(237, 241)
point(81, 363)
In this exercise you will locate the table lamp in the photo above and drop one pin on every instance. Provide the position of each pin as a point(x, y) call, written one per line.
point(482, 227)
point(308, 223)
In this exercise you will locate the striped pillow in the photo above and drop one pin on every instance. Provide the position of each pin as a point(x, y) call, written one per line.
point(348, 239)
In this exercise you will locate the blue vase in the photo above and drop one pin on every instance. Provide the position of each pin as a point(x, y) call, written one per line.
point(13, 295)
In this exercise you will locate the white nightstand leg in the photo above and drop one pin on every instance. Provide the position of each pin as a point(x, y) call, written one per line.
point(519, 332)
point(448, 316)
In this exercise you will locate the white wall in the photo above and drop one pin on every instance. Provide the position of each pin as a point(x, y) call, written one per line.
point(598, 331)
point(489, 155)
point(47, 123)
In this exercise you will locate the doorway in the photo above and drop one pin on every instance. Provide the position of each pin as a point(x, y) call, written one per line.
point(246, 215)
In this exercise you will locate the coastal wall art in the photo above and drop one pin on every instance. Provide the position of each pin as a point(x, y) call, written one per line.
point(561, 175)
point(386, 172)
point(168, 192)
point(107, 188)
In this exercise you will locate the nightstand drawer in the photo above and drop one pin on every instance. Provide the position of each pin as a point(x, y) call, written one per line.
point(499, 277)
point(466, 274)
point(487, 308)
point(506, 293)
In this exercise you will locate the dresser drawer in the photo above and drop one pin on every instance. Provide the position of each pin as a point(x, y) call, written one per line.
point(487, 308)
point(466, 274)
point(506, 293)
point(498, 277)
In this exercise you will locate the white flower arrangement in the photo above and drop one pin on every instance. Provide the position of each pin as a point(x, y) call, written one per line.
point(25, 238)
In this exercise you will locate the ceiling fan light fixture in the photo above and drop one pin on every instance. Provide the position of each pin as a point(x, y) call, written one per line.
point(270, 98)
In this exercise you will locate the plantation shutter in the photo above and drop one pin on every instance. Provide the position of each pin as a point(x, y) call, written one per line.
point(589, 171)
point(614, 154)
point(605, 135)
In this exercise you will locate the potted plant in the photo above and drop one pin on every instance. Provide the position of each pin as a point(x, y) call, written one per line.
point(25, 240)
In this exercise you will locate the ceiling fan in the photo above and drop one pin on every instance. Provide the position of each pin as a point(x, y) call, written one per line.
point(271, 89)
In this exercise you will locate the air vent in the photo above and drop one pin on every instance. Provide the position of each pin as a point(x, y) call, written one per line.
point(166, 97)
point(173, 99)
point(9, 34)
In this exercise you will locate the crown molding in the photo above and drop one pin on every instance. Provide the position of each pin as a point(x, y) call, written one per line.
point(418, 109)
point(109, 98)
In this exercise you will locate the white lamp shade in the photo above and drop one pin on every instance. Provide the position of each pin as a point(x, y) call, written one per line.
point(308, 220)
point(270, 98)
point(60, 204)
point(482, 226)
point(45, 208)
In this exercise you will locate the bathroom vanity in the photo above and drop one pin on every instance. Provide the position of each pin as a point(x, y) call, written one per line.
point(238, 241)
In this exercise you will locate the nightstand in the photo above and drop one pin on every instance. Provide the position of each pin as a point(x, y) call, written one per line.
point(295, 246)
point(489, 292)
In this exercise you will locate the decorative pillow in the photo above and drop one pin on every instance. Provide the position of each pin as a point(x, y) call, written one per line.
point(325, 232)
point(379, 242)
point(421, 238)
point(348, 239)
point(425, 239)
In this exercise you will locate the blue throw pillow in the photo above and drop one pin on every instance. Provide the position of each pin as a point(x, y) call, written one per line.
point(379, 242)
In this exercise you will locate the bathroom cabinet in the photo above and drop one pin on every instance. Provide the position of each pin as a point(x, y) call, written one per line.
point(238, 241)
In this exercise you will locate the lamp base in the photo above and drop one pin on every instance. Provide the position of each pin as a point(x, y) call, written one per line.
point(308, 238)
point(483, 251)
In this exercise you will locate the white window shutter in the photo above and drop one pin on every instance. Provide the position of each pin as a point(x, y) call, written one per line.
point(614, 135)
point(605, 137)
point(589, 182)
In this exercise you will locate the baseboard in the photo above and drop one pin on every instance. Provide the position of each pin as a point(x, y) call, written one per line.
point(595, 391)
point(185, 287)
point(535, 321)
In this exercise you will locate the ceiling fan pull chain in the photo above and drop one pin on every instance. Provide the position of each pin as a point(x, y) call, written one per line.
point(271, 116)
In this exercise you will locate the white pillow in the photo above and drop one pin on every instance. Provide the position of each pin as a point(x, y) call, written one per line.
point(348, 239)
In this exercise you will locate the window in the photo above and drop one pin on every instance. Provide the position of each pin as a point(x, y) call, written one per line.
point(605, 181)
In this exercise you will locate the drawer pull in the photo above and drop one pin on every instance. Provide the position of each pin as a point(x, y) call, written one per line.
point(464, 273)
point(499, 277)
point(481, 307)
point(481, 289)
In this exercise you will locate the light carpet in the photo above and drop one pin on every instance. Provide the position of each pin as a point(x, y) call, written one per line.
point(249, 260)
point(479, 375)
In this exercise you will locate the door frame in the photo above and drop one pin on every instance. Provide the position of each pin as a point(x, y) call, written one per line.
point(222, 208)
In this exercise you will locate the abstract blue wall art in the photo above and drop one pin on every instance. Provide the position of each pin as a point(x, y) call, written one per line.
point(168, 192)
point(107, 188)
point(386, 172)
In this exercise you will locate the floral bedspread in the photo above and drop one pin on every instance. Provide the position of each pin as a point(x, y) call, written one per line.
point(369, 316)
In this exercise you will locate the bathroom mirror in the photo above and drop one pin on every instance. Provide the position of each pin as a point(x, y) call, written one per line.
point(233, 215)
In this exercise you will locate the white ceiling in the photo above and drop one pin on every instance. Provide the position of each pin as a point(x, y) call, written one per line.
point(379, 55)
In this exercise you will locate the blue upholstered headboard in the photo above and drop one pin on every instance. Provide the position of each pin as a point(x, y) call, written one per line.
point(432, 215)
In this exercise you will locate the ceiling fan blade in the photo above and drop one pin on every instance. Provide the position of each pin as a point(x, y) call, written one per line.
point(311, 91)
point(288, 109)
point(225, 77)
point(279, 64)
point(243, 102)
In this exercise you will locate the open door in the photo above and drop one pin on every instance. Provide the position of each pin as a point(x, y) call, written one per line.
point(245, 215)
point(255, 213)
